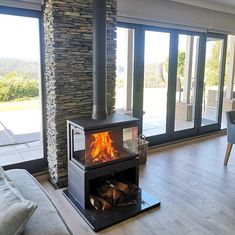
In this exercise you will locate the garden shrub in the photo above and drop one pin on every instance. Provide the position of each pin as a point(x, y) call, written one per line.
point(15, 86)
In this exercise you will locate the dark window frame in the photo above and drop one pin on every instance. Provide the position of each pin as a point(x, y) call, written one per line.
point(37, 165)
point(138, 79)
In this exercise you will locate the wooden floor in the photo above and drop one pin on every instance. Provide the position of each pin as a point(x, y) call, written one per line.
point(196, 191)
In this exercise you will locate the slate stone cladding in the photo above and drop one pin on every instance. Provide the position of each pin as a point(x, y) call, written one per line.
point(68, 72)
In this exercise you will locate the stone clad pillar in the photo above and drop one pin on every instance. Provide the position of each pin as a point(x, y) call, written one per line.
point(68, 72)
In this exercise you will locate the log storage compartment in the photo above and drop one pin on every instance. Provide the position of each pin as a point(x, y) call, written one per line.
point(103, 173)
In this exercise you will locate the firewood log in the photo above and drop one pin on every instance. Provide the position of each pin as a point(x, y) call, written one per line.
point(128, 188)
point(122, 197)
point(133, 191)
point(99, 203)
point(120, 185)
point(104, 190)
point(116, 195)
point(108, 194)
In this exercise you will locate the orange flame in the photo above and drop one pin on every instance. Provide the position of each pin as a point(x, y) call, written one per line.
point(101, 148)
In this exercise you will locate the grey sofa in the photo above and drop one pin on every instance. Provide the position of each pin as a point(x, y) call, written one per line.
point(46, 220)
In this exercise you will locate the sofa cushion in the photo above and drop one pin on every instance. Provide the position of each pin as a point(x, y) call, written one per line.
point(46, 220)
point(15, 211)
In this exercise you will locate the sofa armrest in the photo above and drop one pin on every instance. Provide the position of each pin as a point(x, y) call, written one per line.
point(46, 220)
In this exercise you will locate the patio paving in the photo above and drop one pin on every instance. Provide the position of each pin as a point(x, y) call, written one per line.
point(20, 153)
point(20, 132)
point(20, 126)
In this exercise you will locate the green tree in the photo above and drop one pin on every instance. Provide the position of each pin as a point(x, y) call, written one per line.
point(212, 67)
point(180, 64)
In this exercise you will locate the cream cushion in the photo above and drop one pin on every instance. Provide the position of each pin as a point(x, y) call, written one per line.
point(15, 211)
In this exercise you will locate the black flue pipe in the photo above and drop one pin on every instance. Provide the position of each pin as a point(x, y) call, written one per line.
point(99, 60)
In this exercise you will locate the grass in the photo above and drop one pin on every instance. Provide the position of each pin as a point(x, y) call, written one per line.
point(19, 105)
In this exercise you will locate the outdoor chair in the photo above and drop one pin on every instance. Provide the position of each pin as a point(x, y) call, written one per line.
point(230, 134)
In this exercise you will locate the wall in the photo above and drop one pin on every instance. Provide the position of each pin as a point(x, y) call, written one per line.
point(68, 72)
point(154, 12)
point(24, 4)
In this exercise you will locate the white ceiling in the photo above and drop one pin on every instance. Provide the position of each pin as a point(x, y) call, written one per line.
point(227, 6)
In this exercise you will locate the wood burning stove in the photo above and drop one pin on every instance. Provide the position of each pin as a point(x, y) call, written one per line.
point(103, 168)
point(96, 148)
point(99, 157)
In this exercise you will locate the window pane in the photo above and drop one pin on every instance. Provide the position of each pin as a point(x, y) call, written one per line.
point(210, 101)
point(186, 81)
point(125, 60)
point(155, 82)
point(20, 112)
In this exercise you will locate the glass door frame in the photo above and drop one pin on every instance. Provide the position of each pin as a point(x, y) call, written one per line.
point(201, 78)
point(138, 82)
point(138, 74)
point(186, 133)
point(138, 68)
point(39, 164)
point(171, 134)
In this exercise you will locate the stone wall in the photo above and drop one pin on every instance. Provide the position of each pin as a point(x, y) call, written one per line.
point(68, 72)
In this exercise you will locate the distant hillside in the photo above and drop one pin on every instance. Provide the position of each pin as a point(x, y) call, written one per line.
point(8, 65)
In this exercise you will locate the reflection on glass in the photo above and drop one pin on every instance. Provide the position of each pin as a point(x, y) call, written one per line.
point(186, 81)
point(155, 82)
point(210, 101)
point(124, 70)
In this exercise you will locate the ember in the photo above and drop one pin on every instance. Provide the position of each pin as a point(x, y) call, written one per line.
point(101, 149)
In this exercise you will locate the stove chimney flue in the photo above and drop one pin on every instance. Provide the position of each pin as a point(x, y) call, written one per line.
point(99, 60)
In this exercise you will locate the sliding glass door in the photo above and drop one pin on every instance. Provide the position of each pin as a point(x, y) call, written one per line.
point(21, 89)
point(177, 81)
point(213, 81)
point(170, 85)
point(186, 82)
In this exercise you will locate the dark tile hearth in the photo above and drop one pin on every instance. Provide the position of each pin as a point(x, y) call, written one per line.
point(99, 220)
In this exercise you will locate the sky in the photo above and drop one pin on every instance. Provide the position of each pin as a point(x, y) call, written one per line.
point(19, 37)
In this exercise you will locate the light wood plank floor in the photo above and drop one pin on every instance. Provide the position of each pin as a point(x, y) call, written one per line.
point(196, 191)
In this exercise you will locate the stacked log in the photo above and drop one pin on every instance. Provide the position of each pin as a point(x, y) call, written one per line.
point(113, 192)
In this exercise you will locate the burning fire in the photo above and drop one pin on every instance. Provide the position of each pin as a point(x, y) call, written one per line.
point(101, 148)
